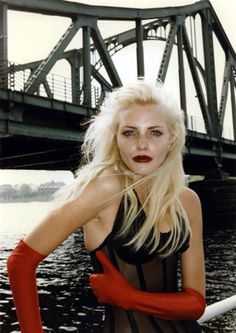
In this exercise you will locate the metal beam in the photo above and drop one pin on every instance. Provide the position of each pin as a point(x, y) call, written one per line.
point(167, 51)
point(75, 63)
point(86, 66)
point(48, 165)
point(221, 34)
point(72, 9)
point(197, 83)
point(182, 88)
point(11, 98)
point(139, 48)
point(105, 57)
point(47, 89)
point(224, 94)
point(208, 51)
point(15, 128)
point(208, 152)
point(46, 65)
point(100, 79)
point(232, 89)
point(3, 46)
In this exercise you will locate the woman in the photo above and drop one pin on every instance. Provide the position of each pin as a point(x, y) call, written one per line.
point(138, 220)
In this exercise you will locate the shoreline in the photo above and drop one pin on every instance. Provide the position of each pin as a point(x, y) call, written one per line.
point(42, 198)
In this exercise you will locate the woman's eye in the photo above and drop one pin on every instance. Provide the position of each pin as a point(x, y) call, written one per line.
point(155, 133)
point(128, 133)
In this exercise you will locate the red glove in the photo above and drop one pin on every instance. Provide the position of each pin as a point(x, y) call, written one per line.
point(22, 265)
point(112, 288)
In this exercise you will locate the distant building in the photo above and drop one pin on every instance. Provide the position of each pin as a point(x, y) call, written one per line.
point(49, 188)
point(7, 192)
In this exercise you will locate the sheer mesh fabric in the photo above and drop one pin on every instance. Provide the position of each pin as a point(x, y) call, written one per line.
point(145, 272)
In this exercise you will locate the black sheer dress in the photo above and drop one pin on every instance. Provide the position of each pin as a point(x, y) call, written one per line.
point(147, 272)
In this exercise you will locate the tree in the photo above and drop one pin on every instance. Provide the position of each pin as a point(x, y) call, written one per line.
point(25, 190)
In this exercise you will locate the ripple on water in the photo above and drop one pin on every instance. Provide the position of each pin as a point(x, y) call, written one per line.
point(67, 329)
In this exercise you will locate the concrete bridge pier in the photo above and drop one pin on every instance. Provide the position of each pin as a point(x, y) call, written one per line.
point(218, 198)
point(217, 191)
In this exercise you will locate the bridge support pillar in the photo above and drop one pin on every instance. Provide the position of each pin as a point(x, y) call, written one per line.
point(140, 57)
point(87, 66)
point(75, 63)
point(3, 46)
point(218, 198)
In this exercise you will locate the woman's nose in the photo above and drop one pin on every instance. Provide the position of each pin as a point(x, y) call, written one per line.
point(142, 144)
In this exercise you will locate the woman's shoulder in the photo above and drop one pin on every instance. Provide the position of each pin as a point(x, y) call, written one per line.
point(191, 203)
point(189, 199)
point(102, 190)
point(108, 181)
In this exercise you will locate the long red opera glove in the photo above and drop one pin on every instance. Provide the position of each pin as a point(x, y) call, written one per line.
point(112, 288)
point(21, 265)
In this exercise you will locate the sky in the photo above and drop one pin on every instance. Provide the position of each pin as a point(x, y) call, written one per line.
point(31, 37)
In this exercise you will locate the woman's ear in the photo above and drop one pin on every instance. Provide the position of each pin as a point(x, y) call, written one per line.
point(172, 141)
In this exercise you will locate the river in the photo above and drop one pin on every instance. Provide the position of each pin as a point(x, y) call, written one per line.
point(67, 303)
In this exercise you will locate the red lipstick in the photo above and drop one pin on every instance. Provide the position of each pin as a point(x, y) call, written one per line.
point(142, 159)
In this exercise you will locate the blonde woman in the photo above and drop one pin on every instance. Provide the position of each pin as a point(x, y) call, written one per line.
point(139, 220)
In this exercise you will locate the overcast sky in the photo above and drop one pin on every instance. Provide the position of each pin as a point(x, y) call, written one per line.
point(31, 37)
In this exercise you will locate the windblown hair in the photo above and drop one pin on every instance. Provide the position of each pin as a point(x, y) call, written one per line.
point(164, 185)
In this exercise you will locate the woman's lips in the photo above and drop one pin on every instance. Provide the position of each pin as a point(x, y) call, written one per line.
point(142, 159)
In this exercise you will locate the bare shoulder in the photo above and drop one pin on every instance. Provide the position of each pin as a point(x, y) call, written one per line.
point(96, 195)
point(109, 182)
point(191, 203)
point(188, 197)
point(102, 189)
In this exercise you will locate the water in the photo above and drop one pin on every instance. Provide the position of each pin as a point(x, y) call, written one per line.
point(220, 254)
point(67, 303)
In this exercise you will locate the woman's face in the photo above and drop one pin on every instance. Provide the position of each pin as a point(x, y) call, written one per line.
point(143, 138)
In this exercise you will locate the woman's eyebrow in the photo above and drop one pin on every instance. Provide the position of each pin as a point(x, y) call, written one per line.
point(152, 127)
point(134, 127)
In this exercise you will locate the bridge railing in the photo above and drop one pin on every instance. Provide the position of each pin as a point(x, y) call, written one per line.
point(196, 124)
point(54, 86)
point(218, 308)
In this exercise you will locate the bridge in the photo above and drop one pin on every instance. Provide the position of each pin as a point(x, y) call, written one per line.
point(42, 113)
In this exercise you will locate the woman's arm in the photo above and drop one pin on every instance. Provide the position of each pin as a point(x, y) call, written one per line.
point(53, 230)
point(111, 287)
point(192, 260)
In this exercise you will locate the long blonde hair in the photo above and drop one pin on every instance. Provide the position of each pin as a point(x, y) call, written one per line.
point(164, 185)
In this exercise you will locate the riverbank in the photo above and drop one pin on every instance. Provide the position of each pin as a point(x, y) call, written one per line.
point(38, 198)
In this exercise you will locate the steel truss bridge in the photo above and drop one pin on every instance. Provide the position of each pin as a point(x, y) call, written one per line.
point(42, 113)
